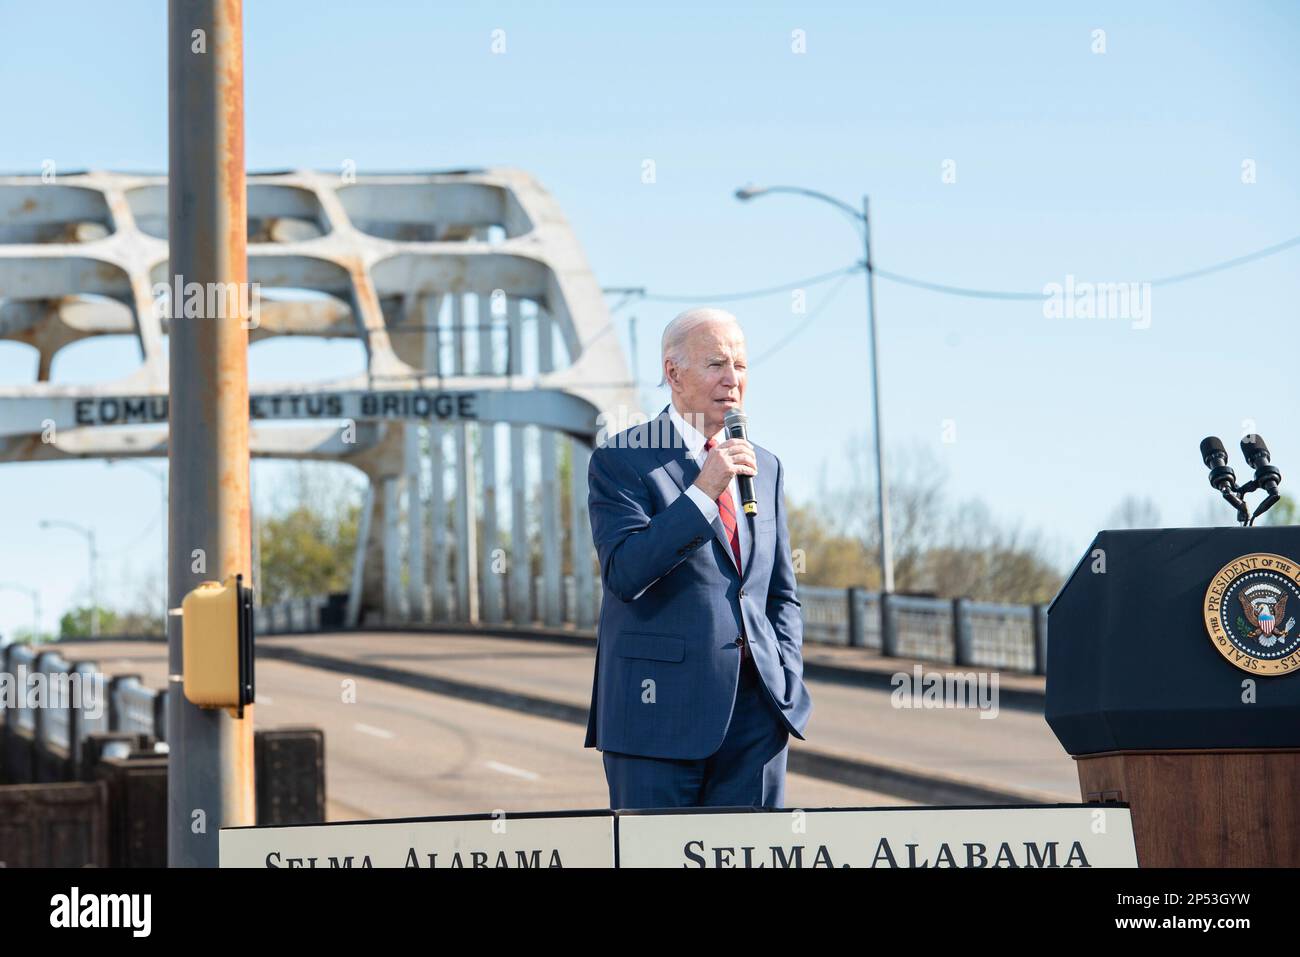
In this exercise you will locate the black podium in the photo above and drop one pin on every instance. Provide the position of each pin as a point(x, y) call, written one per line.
point(1173, 678)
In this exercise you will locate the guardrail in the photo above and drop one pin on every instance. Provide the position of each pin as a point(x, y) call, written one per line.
point(136, 708)
point(953, 630)
point(957, 630)
point(56, 704)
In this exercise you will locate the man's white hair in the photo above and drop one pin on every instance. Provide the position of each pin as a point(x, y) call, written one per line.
point(679, 330)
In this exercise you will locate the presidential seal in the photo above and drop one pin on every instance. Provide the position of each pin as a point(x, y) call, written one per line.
point(1246, 613)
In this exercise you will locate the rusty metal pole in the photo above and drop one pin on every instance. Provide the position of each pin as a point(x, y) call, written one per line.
point(210, 779)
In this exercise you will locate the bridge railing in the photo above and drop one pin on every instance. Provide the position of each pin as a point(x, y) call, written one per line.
point(56, 704)
point(53, 720)
point(20, 659)
point(1007, 636)
point(952, 630)
point(921, 628)
point(137, 708)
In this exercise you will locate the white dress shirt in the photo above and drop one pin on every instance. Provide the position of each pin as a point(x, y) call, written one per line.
point(695, 443)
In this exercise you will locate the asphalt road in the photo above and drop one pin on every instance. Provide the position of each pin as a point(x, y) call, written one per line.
point(392, 751)
point(1015, 748)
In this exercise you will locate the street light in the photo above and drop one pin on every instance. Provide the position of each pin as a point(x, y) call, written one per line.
point(94, 557)
point(35, 596)
point(862, 219)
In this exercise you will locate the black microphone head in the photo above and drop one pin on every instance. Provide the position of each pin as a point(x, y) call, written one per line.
point(1256, 452)
point(1212, 446)
point(735, 422)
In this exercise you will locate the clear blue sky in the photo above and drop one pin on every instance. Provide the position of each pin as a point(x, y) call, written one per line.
point(1120, 166)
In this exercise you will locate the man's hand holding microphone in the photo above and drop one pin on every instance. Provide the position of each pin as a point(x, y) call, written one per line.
point(730, 458)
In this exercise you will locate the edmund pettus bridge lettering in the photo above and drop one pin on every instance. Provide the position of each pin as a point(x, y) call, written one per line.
point(147, 409)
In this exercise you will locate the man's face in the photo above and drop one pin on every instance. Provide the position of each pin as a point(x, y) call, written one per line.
point(714, 378)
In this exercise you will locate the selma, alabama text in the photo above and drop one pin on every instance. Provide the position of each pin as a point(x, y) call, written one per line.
point(533, 859)
point(969, 854)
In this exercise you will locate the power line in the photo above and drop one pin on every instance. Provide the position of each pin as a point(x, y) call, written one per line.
point(955, 290)
point(1228, 263)
point(753, 293)
point(942, 288)
point(821, 306)
point(964, 291)
point(1162, 281)
point(148, 530)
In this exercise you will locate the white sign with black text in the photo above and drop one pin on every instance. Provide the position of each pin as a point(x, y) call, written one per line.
point(1047, 836)
point(582, 839)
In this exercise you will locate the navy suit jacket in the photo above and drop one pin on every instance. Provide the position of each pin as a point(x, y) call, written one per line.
point(667, 660)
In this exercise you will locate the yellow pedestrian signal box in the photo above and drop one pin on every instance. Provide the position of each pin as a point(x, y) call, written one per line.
point(217, 643)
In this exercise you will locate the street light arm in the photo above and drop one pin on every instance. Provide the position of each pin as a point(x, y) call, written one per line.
point(160, 474)
point(863, 220)
point(35, 595)
point(89, 535)
point(79, 529)
point(856, 214)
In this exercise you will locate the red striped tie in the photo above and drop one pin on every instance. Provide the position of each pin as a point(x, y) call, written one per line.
point(727, 512)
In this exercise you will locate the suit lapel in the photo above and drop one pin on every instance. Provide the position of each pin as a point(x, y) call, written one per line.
point(671, 450)
point(720, 533)
point(675, 457)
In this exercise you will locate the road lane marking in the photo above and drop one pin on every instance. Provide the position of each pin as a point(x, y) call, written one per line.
point(370, 729)
point(517, 772)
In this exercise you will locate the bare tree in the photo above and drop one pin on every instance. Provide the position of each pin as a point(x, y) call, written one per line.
point(1134, 512)
point(947, 550)
point(1215, 513)
point(916, 502)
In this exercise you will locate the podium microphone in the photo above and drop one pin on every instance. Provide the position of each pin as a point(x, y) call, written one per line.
point(1222, 478)
point(737, 426)
point(1267, 476)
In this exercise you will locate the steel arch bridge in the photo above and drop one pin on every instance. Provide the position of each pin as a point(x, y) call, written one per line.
point(485, 335)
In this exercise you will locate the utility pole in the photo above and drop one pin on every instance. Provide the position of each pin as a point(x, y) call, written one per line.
point(882, 491)
point(94, 585)
point(210, 776)
point(634, 357)
point(745, 194)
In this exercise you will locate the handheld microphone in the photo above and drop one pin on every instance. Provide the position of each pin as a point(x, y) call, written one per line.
point(1222, 478)
point(737, 426)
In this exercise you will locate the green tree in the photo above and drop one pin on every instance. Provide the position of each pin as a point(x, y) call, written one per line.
point(824, 557)
point(306, 551)
point(29, 636)
point(75, 622)
point(1283, 512)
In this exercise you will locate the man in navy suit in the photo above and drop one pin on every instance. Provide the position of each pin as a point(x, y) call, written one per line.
point(699, 665)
